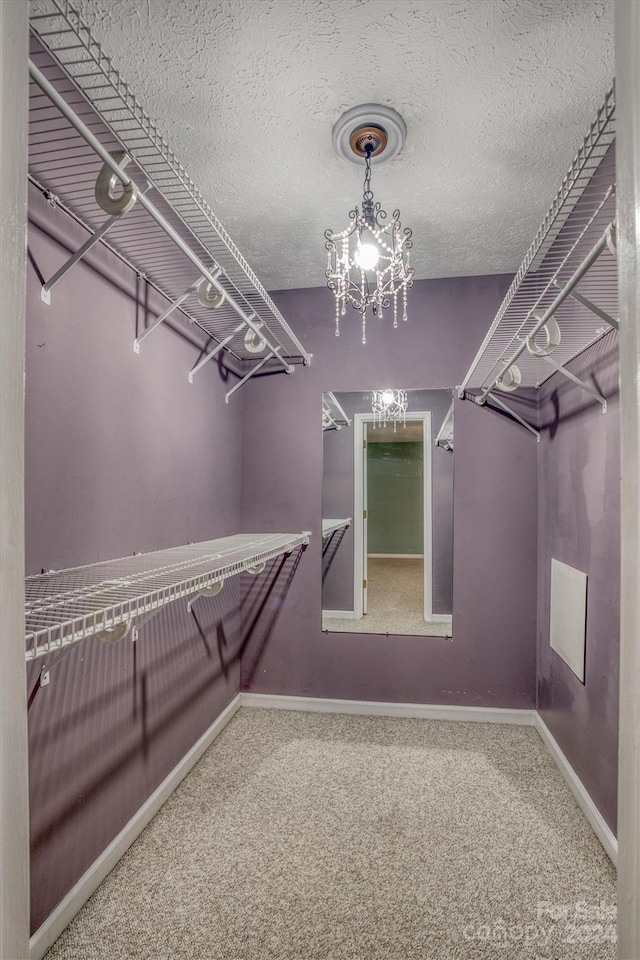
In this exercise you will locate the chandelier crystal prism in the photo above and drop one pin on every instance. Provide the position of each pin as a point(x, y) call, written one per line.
point(389, 406)
point(368, 262)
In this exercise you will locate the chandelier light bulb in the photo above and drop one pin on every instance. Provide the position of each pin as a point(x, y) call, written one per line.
point(389, 406)
point(367, 255)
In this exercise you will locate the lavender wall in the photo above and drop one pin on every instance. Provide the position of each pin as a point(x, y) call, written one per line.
point(579, 524)
point(491, 660)
point(122, 455)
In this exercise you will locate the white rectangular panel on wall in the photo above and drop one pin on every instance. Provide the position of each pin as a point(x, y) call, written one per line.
point(569, 615)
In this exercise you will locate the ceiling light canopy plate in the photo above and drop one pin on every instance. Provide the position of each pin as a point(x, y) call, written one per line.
point(370, 123)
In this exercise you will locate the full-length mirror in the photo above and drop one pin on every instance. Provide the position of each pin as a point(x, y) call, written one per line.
point(387, 512)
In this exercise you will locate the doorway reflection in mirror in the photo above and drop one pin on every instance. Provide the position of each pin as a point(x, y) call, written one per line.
point(387, 494)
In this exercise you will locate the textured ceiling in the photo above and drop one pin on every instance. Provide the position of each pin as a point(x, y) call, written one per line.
point(496, 94)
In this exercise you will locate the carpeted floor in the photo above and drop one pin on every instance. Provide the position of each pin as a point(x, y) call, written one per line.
point(395, 595)
point(317, 837)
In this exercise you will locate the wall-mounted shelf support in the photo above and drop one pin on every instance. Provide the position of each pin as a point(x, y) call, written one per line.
point(214, 353)
point(333, 415)
point(333, 531)
point(45, 292)
point(211, 591)
point(507, 409)
point(444, 437)
point(163, 316)
point(251, 373)
point(45, 673)
point(578, 382)
point(109, 635)
point(140, 623)
point(594, 308)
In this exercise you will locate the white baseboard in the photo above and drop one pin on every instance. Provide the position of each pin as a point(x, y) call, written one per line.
point(396, 556)
point(66, 910)
point(378, 708)
point(441, 618)
point(600, 827)
point(338, 615)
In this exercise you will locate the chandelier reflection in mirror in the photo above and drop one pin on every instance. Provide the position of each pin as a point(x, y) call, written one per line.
point(389, 406)
point(368, 262)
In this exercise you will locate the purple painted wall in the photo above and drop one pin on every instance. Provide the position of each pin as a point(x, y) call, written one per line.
point(491, 660)
point(579, 524)
point(122, 455)
point(337, 499)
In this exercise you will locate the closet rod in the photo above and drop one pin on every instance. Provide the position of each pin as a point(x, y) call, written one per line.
point(49, 90)
point(584, 267)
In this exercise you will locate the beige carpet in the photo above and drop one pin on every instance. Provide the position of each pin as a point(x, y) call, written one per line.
point(318, 837)
point(395, 591)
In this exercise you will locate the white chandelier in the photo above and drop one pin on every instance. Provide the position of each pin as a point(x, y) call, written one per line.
point(368, 262)
point(389, 406)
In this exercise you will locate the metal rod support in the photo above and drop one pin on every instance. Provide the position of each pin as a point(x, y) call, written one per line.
point(163, 316)
point(47, 88)
point(215, 352)
point(601, 314)
point(584, 267)
point(247, 376)
point(580, 383)
point(512, 413)
point(135, 630)
point(45, 673)
point(45, 292)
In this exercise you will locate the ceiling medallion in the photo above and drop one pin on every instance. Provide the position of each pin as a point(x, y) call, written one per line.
point(368, 262)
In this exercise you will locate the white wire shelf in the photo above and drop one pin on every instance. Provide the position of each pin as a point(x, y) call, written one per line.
point(569, 275)
point(64, 165)
point(65, 606)
point(330, 526)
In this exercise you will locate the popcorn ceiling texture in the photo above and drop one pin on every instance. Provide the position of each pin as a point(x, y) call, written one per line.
point(497, 96)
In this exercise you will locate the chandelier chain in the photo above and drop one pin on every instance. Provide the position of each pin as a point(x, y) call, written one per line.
point(367, 193)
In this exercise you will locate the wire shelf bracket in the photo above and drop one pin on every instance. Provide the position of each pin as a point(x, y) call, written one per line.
point(333, 415)
point(193, 288)
point(507, 409)
point(564, 297)
point(47, 287)
point(109, 600)
point(444, 437)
